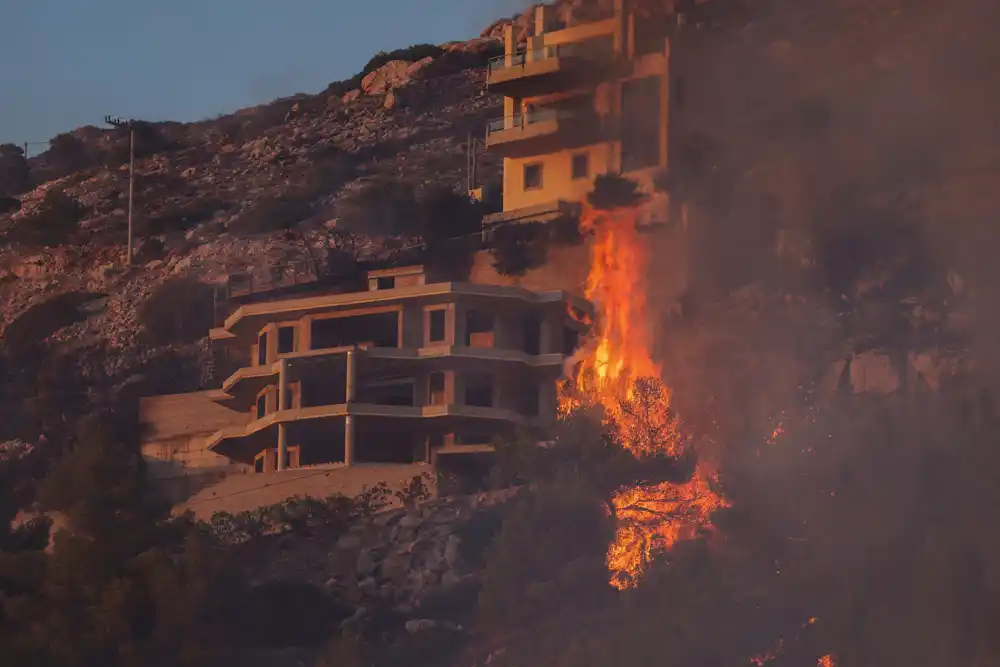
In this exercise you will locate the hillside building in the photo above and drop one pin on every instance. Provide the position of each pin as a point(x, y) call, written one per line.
point(407, 369)
point(579, 101)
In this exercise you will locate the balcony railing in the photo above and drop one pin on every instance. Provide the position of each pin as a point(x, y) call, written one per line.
point(522, 58)
point(522, 120)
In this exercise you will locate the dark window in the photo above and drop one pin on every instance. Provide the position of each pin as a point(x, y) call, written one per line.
point(532, 335)
point(532, 176)
point(377, 329)
point(261, 406)
point(386, 282)
point(479, 329)
point(436, 326)
point(571, 337)
point(262, 349)
point(474, 439)
point(640, 144)
point(479, 390)
point(581, 166)
point(435, 389)
point(289, 399)
point(286, 340)
point(258, 464)
point(530, 399)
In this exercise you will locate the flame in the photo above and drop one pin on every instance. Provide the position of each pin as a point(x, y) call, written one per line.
point(615, 370)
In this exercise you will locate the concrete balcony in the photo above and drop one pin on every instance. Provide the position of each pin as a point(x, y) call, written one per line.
point(543, 130)
point(548, 69)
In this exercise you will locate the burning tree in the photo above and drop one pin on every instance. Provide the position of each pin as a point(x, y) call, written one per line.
point(615, 370)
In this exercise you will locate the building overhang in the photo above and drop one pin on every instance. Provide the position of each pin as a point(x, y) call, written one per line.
point(550, 211)
point(253, 316)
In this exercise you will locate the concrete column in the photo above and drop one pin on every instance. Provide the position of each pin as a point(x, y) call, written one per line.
point(352, 372)
point(351, 383)
point(282, 445)
point(455, 323)
point(545, 345)
point(282, 398)
point(509, 45)
point(348, 440)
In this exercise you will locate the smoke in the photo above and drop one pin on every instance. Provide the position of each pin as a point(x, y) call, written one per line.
point(839, 163)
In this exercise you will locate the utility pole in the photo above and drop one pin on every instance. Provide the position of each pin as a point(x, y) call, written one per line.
point(130, 124)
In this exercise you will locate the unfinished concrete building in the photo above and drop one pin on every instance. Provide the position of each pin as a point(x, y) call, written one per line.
point(407, 371)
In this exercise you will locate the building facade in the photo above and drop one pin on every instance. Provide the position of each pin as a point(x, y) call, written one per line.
point(580, 101)
point(407, 371)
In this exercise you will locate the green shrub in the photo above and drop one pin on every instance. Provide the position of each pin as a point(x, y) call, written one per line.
point(51, 225)
point(178, 311)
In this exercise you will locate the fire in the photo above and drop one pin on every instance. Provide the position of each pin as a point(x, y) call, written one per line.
point(615, 369)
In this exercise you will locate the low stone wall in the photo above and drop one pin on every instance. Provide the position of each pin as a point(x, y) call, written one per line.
point(236, 493)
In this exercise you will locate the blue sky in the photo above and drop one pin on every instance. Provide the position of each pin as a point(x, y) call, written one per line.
point(67, 63)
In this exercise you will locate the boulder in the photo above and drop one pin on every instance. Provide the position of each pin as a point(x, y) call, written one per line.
point(393, 74)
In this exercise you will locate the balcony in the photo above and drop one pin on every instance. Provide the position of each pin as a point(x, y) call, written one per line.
point(542, 131)
point(550, 69)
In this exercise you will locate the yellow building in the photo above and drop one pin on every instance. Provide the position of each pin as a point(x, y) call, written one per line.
point(580, 101)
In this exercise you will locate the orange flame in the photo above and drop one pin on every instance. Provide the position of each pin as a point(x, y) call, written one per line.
point(615, 369)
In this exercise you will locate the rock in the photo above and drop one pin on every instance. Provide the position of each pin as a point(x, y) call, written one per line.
point(872, 372)
point(367, 563)
point(452, 551)
point(189, 173)
point(411, 520)
point(103, 272)
point(367, 586)
point(423, 624)
point(396, 566)
point(391, 100)
point(349, 542)
point(393, 74)
point(350, 96)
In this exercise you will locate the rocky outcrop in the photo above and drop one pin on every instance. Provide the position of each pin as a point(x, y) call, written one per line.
point(408, 561)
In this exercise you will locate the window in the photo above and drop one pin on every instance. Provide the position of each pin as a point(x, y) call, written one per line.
point(570, 340)
point(261, 406)
point(640, 143)
point(435, 326)
point(286, 340)
point(435, 389)
point(479, 329)
point(262, 349)
point(479, 390)
point(385, 282)
point(532, 335)
point(581, 166)
point(532, 176)
point(258, 462)
point(530, 399)
point(289, 398)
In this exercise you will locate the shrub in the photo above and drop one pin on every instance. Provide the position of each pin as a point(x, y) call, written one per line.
point(15, 177)
point(614, 191)
point(9, 205)
point(179, 216)
point(273, 213)
point(380, 207)
point(178, 311)
point(290, 613)
point(519, 248)
point(67, 153)
point(51, 225)
point(149, 140)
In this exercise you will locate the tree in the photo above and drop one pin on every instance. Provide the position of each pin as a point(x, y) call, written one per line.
point(67, 153)
point(178, 311)
point(518, 248)
point(15, 176)
point(380, 207)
